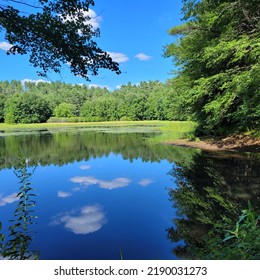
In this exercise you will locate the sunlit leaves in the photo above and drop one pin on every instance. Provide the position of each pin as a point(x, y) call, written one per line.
point(59, 33)
point(218, 53)
point(26, 108)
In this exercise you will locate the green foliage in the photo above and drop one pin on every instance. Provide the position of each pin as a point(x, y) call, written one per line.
point(209, 194)
point(69, 142)
point(241, 242)
point(147, 101)
point(64, 110)
point(218, 57)
point(66, 120)
point(17, 245)
point(26, 108)
point(53, 33)
point(2, 105)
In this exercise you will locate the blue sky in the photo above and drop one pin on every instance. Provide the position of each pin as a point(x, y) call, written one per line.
point(132, 31)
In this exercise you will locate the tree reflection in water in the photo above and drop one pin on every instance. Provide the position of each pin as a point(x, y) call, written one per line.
point(212, 190)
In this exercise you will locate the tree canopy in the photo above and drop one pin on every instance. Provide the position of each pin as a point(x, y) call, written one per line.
point(53, 33)
point(151, 100)
point(217, 52)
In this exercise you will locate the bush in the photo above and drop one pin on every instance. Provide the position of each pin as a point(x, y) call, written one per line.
point(65, 110)
point(26, 108)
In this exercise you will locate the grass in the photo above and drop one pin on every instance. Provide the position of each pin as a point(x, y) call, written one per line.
point(169, 130)
point(172, 131)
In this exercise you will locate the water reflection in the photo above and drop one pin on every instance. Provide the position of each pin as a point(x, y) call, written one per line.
point(67, 147)
point(62, 194)
point(212, 190)
point(8, 199)
point(109, 185)
point(145, 182)
point(110, 189)
point(90, 219)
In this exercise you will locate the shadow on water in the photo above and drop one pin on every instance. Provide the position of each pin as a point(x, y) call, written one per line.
point(211, 192)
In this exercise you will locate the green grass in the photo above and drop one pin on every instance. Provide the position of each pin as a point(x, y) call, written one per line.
point(253, 133)
point(172, 131)
point(168, 130)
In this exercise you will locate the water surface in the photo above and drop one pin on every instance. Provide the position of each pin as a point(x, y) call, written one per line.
point(104, 195)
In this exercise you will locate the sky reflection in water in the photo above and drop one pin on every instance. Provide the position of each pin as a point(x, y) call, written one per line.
point(99, 194)
point(94, 209)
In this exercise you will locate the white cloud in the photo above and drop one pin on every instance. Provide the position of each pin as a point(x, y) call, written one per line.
point(94, 20)
point(64, 194)
point(90, 219)
point(145, 182)
point(110, 184)
point(118, 57)
point(85, 167)
point(8, 199)
point(97, 86)
point(90, 18)
point(34, 81)
point(5, 46)
point(143, 57)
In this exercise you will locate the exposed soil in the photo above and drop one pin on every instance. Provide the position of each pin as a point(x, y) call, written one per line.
point(239, 143)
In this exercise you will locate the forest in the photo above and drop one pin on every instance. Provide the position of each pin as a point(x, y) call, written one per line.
point(35, 103)
point(215, 83)
point(216, 55)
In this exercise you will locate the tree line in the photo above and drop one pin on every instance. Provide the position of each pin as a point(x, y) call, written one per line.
point(38, 102)
point(216, 83)
point(217, 54)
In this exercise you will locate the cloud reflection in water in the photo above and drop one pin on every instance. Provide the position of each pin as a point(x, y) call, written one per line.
point(90, 219)
point(145, 182)
point(110, 184)
point(8, 199)
point(62, 194)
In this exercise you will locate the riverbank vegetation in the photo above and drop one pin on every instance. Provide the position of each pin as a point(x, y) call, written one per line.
point(164, 130)
point(217, 54)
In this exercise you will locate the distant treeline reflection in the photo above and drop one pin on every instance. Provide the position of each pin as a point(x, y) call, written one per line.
point(66, 147)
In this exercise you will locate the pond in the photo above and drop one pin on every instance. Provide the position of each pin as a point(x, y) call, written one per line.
point(101, 194)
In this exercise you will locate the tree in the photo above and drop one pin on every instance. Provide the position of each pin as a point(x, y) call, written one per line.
point(26, 108)
point(57, 32)
point(2, 104)
point(217, 52)
point(65, 110)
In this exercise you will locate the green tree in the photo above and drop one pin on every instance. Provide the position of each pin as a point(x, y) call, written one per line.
point(55, 32)
point(2, 105)
point(64, 110)
point(26, 108)
point(217, 52)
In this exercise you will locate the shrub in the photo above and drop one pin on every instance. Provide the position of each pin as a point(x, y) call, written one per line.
point(65, 110)
point(26, 108)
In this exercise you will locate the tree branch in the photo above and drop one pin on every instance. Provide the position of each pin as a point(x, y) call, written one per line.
point(24, 3)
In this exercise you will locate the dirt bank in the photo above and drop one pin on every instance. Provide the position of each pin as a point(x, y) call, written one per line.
point(239, 143)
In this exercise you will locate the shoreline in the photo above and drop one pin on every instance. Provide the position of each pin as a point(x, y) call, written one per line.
point(238, 143)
